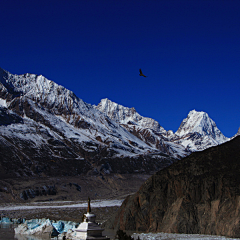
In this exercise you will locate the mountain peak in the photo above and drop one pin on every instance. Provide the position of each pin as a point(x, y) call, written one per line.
point(125, 115)
point(198, 122)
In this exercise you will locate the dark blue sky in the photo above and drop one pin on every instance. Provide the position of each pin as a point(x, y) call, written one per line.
point(190, 51)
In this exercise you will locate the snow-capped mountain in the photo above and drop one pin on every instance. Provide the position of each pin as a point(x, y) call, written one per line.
point(198, 132)
point(146, 129)
point(125, 115)
point(56, 103)
point(45, 128)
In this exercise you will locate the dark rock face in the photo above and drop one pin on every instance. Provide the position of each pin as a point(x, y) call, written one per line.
point(7, 117)
point(39, 191)
point(199, 194)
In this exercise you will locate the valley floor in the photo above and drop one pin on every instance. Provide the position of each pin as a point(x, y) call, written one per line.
point(70, 204)
point(77, 188)
point(73, 211)
point(175, 236)
point(68, 211)
point(69, 200)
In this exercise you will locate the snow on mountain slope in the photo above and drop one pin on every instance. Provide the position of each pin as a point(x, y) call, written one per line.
point(198, 131)
point(68, 109)
point(125, 115)
point(43, 120)
point(146, 129)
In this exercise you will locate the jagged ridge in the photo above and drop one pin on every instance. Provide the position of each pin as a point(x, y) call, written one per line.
point(53, 125)
point(41, 119)
point(197, 132)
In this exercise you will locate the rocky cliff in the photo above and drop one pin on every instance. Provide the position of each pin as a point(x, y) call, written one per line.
point(199, 194)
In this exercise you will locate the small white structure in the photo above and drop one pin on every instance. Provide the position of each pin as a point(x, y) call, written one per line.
point(89, 229)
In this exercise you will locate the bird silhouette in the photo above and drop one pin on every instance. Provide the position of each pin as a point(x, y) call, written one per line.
point(141, 74)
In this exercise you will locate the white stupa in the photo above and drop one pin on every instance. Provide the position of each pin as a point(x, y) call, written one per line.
point(89, 229)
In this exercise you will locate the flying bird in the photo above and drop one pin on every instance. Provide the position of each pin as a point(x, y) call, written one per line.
point(141, 74)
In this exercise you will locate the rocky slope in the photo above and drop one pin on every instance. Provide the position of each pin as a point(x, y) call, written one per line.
point(199, 194)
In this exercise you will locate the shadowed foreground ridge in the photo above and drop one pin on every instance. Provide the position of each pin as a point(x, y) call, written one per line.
point(199, 194)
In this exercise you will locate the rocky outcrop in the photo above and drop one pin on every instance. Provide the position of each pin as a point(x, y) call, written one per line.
point(38, 191)
point(199, 194)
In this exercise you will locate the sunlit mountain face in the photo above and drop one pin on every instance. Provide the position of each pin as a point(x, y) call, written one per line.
point(47, 129)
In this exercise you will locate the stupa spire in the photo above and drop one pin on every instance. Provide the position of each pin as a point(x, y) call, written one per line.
point(89, 207)
point(89, 229)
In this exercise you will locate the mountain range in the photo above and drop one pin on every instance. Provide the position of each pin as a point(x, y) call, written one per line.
point(46, 130)
point(196, 132)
